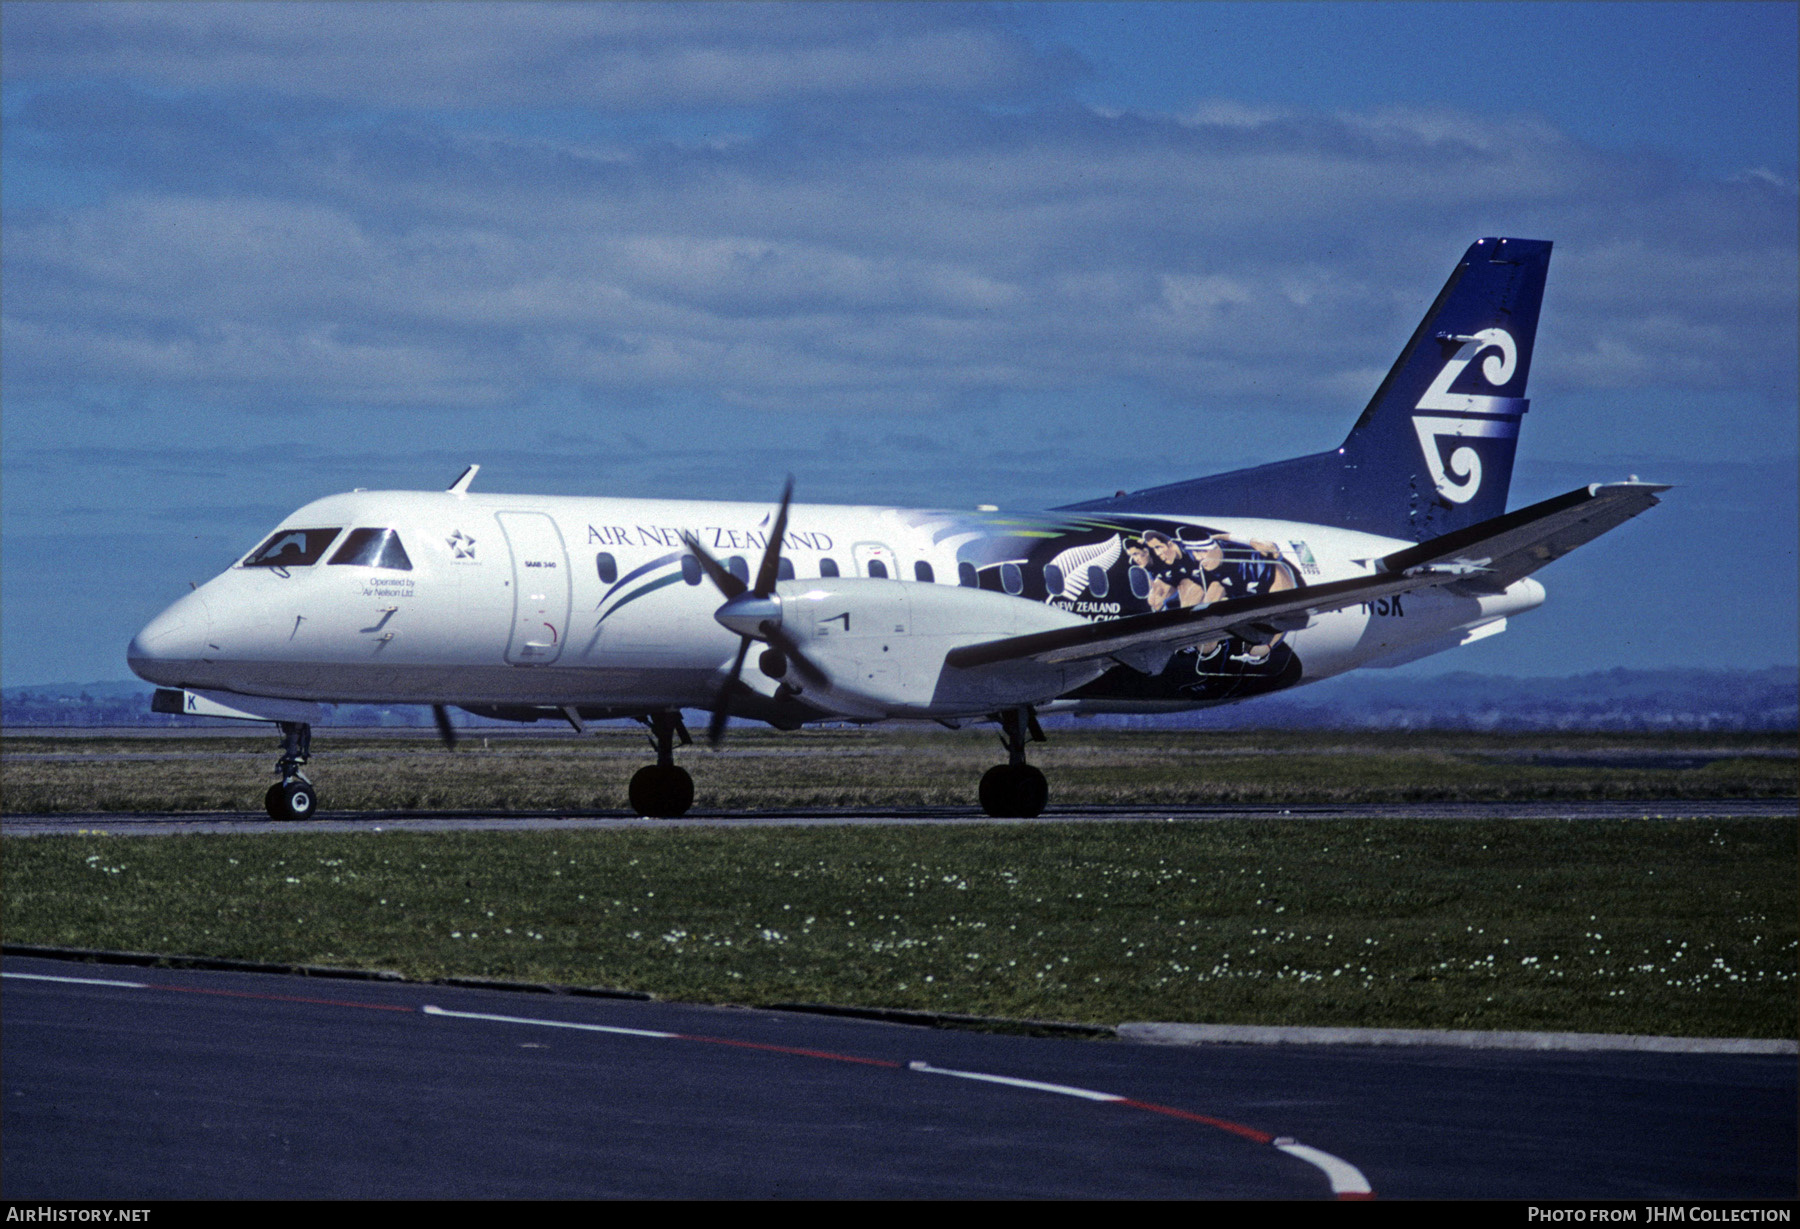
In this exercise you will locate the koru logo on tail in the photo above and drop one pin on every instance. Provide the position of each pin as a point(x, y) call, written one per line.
point(1477, 415)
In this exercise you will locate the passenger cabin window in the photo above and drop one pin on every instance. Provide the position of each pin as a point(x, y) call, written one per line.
point(1140, 582)
point(738, 568)
point(922, 572)
point(690, 569)
point(1097, 584)
point(373, 548)
point(608, 566)
point(291, 548)
point(1012, 578)
point(1053, 580)
point(828, 567)
point(877, 569)
point(784, 569)
point(966, 575)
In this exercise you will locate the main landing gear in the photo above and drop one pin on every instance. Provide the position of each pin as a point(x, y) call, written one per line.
point(1015, 790)
point(292, 797)
point(663, 789)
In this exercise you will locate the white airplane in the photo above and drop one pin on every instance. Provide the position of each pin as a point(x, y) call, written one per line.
point(1393, 546)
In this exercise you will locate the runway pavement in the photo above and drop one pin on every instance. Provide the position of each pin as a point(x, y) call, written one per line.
point(136, 1083)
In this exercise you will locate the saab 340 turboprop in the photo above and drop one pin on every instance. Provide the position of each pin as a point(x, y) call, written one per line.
point(1393, 546)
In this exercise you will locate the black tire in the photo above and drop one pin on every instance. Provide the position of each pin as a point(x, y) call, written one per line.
point(1014, 793)
point(665, 793)
point(642, 791)
point(1033, 792)
point(299, 799)
point(291, 800)
point(678, 792)
point(996, 791)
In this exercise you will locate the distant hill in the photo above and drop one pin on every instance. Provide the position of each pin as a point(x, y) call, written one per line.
point(1619, 699)
point(1767, 699)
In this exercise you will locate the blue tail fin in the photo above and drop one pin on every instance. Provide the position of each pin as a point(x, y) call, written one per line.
point(1433, 451)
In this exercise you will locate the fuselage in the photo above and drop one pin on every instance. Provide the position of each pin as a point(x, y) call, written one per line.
point(496, 600)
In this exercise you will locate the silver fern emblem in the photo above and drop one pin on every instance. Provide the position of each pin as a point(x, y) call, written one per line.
point(1075, 562)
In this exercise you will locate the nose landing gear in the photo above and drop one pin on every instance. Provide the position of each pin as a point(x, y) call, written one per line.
point(292, 797)
point(1015, 790)
point(663, 789)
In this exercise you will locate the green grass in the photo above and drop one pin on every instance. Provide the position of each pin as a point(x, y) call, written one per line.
point(761, 770)
point(1655, 926)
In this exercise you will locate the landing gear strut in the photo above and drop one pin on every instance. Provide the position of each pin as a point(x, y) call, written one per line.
point(292, 797)
point(1015, 790)
point(663, 789)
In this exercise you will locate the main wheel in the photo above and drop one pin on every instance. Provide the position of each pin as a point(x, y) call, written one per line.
point(666, 793)
point(1033, 792)
point(1009, 792)
point(291, 800)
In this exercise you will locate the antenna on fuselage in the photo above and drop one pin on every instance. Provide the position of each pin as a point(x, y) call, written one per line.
point(461, 485)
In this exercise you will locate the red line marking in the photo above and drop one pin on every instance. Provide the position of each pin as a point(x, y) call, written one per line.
point(1349, 1195)
point(1236, 1128)
point(758, 1045)
point(281, 998)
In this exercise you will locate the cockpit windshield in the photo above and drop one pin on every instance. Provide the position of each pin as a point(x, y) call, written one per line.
point(291, 548)
point(374, 548)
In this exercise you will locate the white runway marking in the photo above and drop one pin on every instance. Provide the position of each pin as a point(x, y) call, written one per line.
point(1065, 1089)
point(1346, 1179)
point(591, 1028)
point(80, 981)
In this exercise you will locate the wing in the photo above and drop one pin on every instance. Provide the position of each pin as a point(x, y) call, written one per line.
point(1150, 638)
point(1484, 557)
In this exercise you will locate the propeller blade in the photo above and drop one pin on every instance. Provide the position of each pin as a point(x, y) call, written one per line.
point(727, 584)
point(446, 731)
point(796, 659)
point(767, 574)
point(715, 729)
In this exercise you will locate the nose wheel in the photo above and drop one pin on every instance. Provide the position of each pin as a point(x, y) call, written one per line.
point(1015, 790)
point(663, 789)
point(292, 797)
point(291, 800)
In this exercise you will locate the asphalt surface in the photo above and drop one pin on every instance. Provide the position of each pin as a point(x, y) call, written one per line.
point(132, 1083)
point(163, 824)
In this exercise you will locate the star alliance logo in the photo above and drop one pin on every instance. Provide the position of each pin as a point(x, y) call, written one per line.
point(462, 544)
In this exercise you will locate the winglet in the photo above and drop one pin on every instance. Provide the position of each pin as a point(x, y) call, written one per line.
point(461, 485)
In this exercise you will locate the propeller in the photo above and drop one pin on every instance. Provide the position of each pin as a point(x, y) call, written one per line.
point(446, 731)
point(754, 613)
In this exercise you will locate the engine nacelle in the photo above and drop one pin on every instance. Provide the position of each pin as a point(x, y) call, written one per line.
point(882, 642)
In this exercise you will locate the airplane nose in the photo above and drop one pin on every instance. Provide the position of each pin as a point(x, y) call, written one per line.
point(176, 636)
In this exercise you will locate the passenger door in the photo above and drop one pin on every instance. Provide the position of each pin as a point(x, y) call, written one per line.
point(540, 582)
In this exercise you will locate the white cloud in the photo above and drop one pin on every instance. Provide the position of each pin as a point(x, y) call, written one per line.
point(906, 254)
point(460, 55)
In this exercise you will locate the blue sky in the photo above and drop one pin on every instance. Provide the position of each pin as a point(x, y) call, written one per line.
point(1018, 254)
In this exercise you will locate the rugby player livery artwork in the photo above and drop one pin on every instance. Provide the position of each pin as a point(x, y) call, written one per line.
point(1395, 545)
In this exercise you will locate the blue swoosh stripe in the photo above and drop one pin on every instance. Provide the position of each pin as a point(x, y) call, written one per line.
point(652, 587)
point(635, 573)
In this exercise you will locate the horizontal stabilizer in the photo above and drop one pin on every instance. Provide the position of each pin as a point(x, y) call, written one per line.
point(1497, 552)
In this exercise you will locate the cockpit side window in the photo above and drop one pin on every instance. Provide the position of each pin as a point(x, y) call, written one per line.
point(374, 548)
point(291, 548)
